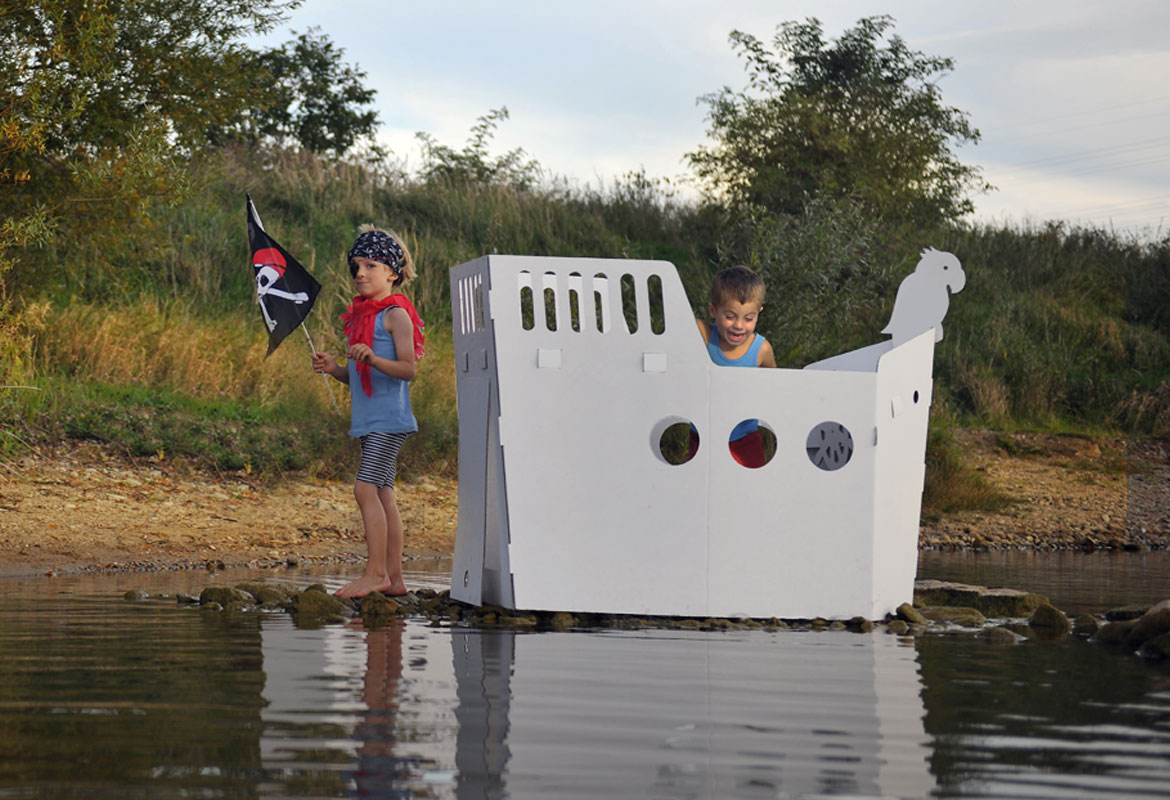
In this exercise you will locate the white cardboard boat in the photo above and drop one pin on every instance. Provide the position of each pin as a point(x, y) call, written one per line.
point(569, 370)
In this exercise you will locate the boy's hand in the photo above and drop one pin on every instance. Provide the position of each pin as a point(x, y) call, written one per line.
point(361, 353)
point(323, 362)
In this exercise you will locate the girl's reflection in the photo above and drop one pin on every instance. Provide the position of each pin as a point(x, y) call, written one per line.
point(379, 772)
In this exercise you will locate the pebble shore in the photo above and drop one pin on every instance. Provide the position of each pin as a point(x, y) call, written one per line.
point(1000, 616)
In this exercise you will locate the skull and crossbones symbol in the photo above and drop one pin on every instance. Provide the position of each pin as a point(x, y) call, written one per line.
point(270, 267)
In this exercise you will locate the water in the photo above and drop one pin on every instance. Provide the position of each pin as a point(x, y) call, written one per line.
point(104, 698)
point(1076, 583)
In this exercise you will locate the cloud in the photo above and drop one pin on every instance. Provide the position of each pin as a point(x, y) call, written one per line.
point(600, 89)
point(1038, 196)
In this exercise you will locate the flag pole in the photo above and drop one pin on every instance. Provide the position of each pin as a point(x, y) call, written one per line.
point(324, 377)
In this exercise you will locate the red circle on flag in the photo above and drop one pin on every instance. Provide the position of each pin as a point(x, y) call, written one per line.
point(269, 256)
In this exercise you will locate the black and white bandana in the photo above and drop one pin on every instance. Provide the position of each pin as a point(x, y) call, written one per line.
point(377, 246)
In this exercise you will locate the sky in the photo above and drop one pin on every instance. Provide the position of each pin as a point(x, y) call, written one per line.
point(1070, 97)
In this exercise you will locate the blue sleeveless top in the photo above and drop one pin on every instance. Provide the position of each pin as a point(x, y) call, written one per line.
point(387, 410)
point(749, 359)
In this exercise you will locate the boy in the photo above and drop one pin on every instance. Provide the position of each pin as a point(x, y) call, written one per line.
point(737, 298)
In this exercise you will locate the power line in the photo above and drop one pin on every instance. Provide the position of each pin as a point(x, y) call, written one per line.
point(1145, 144)
point(1142, 162)
point(1147, 101)
point(1042, 123)
point(1023, 176)
point(1145, 202)
point(1032, 137)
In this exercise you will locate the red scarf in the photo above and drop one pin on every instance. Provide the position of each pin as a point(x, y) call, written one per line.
point(358, 320)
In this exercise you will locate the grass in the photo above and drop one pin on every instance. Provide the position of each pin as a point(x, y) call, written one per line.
point(951, 484)
point(220, 435)
point(154, 379)
point(1055, 329)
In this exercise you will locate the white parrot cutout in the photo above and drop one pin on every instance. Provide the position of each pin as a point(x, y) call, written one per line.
point(923, 296)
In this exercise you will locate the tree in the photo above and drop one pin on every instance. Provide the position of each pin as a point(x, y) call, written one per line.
point(821, 272)
point(860, 117)
point(103, 104)
point(474, 164)
point(99, 102)
point(79, 73)
point(309, 96)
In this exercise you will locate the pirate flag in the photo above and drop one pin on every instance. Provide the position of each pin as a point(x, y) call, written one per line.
point(285, 290)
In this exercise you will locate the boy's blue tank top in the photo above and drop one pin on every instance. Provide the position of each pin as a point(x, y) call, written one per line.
point(749, 359)
point(387, 410)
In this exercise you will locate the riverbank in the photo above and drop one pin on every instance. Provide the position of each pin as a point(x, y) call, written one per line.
point(1068, 493)
point(82, 507)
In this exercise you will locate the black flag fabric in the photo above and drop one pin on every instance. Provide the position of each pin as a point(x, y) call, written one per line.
point(285, 290)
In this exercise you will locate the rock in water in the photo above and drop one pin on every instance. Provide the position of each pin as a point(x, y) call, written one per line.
point(315, 607)
point(1156, 649)
point(1001, 635)
point(958, 615)
point(1086, 625)
point(226, 596)
point(910, 614)
point(1113, 634)
point(990, 602)
point(1051, 620)
point(1154, 623)
point(376, 608)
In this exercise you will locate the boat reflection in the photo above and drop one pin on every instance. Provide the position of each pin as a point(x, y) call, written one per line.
point(477, 713)
point(687, 715)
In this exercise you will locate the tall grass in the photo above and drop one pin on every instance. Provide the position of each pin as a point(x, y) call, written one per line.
point(1056, 328)
point(158, 378)
point(165, 343)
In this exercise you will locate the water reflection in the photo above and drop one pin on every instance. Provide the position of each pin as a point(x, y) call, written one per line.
point(670, 715)
point(483, 674)
point(1059, 719)
point(1076, 583)
point(105, 698)
point(482, 714)
point(108, 699)
point(379, 771)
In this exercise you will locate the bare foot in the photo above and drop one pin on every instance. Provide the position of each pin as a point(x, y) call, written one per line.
point(392, 587)
point(396, 587)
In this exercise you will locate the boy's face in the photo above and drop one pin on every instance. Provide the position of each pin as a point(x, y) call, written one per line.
point(734, 321)
point(373, 279)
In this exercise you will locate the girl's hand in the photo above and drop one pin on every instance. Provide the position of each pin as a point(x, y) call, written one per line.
point(361, 353)
point(323, 362)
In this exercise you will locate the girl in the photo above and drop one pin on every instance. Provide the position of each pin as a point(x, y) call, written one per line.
point(385, 341)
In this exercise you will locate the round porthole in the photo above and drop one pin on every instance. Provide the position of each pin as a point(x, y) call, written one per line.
point(752, 443)
point(675, 440)
point(829, 446)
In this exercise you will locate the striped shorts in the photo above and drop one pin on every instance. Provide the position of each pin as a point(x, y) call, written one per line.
point(380, 457)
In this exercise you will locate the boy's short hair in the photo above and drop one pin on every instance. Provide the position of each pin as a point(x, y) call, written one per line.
point(737, 283)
